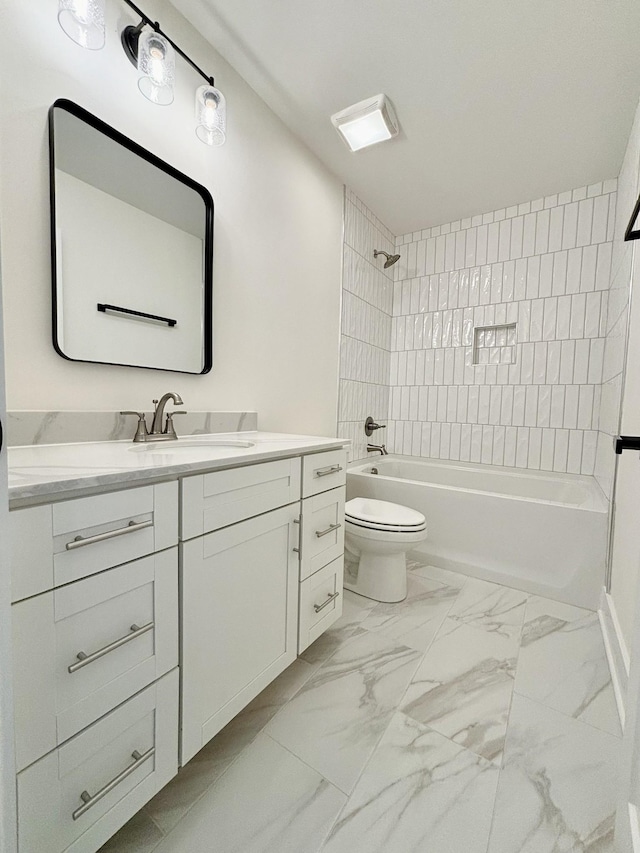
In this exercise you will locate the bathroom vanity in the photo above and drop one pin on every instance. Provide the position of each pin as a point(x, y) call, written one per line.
point(156, 591)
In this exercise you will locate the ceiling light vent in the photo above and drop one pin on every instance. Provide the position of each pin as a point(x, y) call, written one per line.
point(366, 122)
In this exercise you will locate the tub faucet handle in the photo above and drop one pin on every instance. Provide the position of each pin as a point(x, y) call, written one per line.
point(370, 426)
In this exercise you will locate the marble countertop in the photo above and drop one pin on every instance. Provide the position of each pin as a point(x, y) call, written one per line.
point(54, 471)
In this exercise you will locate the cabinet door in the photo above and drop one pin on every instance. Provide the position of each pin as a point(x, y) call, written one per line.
point(239, 618)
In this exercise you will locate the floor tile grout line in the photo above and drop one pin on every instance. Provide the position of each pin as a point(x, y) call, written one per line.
point(219, 776)
point(208, 788)
point(360, 775)
point(319, 773)
point(567, 716)
point(429, 645)
point(506, 732)
point(392, 713)
point(589, 614)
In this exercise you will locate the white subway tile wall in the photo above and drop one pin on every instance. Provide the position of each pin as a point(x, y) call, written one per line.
point(543, 265)
point(367, 297)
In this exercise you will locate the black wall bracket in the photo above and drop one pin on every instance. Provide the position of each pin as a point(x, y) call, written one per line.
point(626, 442)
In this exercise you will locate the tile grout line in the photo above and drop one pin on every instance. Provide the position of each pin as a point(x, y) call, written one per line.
point(217, 778)
point(392, 714)
point(506, 733)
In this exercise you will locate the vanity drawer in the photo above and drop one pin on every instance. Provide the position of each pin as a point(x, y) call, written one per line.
point(320, 602)
point(323, 471)
point(59, 543)
point(80, 794)
point(215, 500)
point(322, 531)
point(123, 623)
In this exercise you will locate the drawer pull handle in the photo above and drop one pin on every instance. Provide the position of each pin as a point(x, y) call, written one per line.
point(323, 472)
point(84, 659)
point(319, 607)
point(81, 541)
point(330, 529)
point(88, 801)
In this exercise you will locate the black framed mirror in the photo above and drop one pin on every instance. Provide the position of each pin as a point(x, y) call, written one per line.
point(131, 251)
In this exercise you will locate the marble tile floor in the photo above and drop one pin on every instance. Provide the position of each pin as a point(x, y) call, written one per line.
point(470, 718)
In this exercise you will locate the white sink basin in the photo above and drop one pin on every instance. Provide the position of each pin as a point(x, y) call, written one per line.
point(190, 444)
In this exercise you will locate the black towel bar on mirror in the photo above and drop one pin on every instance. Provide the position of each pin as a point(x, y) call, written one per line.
point(104, 308)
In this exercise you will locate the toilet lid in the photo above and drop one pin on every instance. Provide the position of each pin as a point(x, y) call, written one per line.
point(383, 515)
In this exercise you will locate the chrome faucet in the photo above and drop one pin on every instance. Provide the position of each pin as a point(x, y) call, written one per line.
point(377, 448)
point(158, 431)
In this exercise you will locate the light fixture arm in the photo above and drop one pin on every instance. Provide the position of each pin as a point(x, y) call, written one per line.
point(131, 34)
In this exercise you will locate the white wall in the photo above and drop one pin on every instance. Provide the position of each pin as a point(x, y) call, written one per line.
point(543, 265)
point(367, 298)
point(620, 406)
point(618, 311)
point(277, 243)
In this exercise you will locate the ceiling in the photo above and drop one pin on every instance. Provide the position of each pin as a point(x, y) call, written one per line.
point(499, 101)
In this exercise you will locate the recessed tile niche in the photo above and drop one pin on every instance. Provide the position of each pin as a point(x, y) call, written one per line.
point(495, 344)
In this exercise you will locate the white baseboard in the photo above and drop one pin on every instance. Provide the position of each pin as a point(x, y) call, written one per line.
point(616, 649)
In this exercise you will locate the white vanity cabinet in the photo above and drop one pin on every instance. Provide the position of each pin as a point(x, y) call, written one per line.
point(145, 619)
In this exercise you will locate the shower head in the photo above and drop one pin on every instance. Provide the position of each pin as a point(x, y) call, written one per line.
point(391, 259)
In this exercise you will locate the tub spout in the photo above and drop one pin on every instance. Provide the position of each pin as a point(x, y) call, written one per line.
point(377, 448)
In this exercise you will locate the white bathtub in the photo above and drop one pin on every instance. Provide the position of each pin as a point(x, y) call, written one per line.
point(540, 532)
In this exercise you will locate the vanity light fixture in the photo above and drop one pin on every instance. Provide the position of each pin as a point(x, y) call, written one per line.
point(152, 52)
point(366, 123)
point(83, 22)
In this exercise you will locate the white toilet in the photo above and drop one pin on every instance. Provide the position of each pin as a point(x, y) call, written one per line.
point(379, 534)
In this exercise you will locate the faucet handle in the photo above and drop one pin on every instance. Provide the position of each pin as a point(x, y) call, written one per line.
point(370, 426)
point(141, 431)
point(169, 428)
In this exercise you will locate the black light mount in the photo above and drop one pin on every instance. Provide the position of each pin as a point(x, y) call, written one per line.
point(131, 36)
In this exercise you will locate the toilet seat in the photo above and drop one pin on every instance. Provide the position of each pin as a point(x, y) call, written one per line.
point(384, 516)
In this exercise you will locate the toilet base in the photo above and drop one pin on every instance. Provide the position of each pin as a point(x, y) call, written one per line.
point(381, 577)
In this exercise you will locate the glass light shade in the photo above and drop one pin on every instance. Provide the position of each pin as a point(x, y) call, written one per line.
point(157, 67)
point(83, 21)
point(211, 116)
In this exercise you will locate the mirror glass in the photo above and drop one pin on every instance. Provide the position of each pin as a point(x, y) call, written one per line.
point(132, 246)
